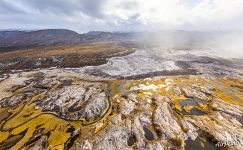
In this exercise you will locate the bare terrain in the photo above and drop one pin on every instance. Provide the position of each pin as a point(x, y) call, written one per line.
point(62, 56)
point(115, 91)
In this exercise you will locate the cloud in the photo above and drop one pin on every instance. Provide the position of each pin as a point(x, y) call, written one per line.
point(84, 15)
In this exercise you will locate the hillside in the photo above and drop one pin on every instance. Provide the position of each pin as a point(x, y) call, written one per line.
point(21, 40)
point(13, 40)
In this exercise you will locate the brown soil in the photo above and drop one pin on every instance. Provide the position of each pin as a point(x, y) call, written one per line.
point(64, 56)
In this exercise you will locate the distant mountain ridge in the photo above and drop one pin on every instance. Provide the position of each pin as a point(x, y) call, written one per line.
point(15, 40)
point(12, 40)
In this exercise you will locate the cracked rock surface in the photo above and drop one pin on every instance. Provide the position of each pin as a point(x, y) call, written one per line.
point(63, 109)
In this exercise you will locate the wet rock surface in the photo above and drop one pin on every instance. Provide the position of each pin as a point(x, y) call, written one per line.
point(72, 109)
point(144, 63)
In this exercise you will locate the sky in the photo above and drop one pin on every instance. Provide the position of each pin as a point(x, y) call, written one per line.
point(122, 15)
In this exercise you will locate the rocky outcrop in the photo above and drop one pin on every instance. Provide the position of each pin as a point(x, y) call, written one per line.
point(63, 109)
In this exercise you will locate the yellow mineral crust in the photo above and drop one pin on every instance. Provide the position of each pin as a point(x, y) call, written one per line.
point(27, 118)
